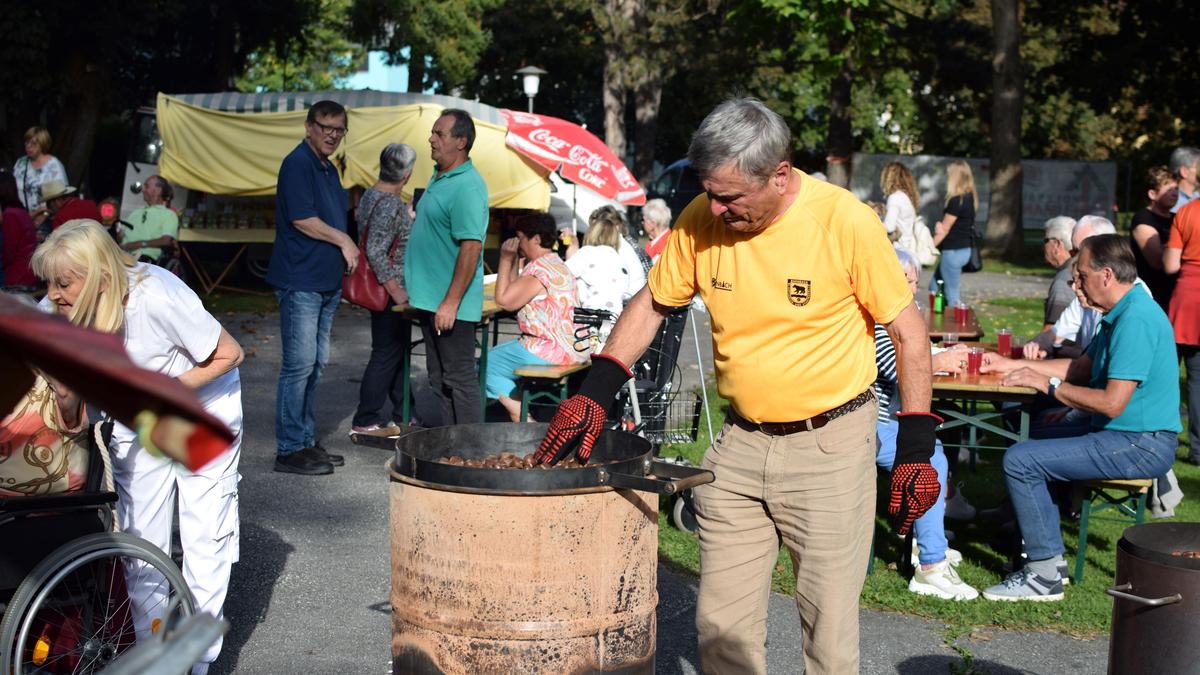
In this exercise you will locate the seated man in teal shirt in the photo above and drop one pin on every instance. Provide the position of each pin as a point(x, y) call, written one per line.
point(443, 267)
point(155, 226)
point(1128, 380)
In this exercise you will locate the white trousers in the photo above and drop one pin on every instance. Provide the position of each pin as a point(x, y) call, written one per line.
point(208, 526)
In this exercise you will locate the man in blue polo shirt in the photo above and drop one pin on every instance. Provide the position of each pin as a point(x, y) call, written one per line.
point(312, 253)
point(443, 267)
point(1128, 380)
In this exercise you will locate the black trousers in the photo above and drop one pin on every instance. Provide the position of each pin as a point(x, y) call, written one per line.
point(450, 362)
point(382, 381)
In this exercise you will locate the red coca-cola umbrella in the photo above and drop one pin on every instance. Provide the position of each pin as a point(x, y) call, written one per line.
point(575, 153)
point(96, 367)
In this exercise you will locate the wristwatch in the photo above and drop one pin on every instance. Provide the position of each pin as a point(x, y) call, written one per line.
point(1054, 382)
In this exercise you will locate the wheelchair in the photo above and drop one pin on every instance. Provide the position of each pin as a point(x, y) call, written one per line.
point(66, 580)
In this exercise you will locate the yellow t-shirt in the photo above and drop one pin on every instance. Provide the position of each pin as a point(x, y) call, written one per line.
point(793, 306)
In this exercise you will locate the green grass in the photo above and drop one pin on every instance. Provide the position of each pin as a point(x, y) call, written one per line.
point(1086, 611)
point(226, 302)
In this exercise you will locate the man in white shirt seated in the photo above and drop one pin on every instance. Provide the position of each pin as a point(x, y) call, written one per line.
point(1077, 324)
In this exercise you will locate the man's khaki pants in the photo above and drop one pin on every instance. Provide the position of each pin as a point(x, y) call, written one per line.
point(815, 491)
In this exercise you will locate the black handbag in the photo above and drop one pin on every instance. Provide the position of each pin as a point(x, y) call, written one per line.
point(975, 262)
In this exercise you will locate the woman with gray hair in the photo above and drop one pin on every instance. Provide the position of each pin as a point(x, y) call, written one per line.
point(387, 221)
point(656, 220)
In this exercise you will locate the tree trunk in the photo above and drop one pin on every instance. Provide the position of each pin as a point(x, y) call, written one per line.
point(614, 102)
point(1004, 234)
point(416, 70)
point(840, 139)
point(80, 116)
point(647, 101)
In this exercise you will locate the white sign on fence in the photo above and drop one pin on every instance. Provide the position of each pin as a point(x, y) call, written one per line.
point(1049, 187)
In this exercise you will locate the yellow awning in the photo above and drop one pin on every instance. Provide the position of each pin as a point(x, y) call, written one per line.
point(238, 153)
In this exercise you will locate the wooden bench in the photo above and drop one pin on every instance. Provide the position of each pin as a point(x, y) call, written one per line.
point(1126, 496)
point(554, 377)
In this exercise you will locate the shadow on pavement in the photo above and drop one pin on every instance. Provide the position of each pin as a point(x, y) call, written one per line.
point(922, 665)
point(250, 590)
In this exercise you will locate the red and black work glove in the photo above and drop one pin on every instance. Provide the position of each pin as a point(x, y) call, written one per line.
point(581, 417)
point(915, 487)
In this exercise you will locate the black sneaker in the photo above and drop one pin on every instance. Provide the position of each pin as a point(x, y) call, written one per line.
point(303, 463)
point(319, 452)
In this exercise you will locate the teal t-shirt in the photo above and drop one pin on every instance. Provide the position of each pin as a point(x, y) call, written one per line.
point(454, 208)
point(150, 223)
point(1135, 342)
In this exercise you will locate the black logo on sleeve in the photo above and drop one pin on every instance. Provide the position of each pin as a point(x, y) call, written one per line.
point(722, 285)
point(799, 291)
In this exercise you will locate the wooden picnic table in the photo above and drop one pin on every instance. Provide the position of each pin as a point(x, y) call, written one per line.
point(940, 325)
point(966, 392)
point(240, 238)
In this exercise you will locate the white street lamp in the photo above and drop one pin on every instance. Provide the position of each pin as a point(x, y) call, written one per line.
point(530, 79)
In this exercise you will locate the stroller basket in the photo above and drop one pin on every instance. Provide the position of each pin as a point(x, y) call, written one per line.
point(669, 416)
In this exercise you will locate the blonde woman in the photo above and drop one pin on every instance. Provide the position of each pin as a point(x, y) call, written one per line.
point(92, 282)
point(900, 216)
point(954, 232)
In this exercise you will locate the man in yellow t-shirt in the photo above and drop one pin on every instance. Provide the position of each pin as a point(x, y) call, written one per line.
point(795, 273)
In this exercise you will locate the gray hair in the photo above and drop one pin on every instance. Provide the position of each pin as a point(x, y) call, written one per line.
point(658, 211)
point(908, 260)
point(1184, 155)
point(745, 131)
point(1094, 225)
point(1060, 228)
point(396, 162)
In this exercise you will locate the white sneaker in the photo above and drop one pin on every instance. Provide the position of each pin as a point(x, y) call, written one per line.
point(941, 581)
point(958, 508)
point(952, 556)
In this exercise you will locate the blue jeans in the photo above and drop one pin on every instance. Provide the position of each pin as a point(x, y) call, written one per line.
point(305, 318)
point(1100, 454)
point(929, 529)
point(949, 270)
point(502, 361)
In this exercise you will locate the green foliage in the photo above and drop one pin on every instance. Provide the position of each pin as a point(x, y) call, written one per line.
point(450, 32)
point(313, 60)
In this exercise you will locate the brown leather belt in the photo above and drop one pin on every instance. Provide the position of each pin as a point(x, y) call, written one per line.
point(814, 422)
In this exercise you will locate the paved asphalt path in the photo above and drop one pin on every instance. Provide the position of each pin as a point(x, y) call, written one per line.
point(310, 594)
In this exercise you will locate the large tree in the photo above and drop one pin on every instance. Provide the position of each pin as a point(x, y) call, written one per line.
point(440, 40)
point(314, 59)
point(1004, 233)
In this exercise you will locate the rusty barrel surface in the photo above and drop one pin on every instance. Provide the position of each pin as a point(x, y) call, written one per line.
point(554, 583)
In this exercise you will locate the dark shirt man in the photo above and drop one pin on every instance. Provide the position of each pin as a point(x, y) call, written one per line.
point(443, 267)
point(1150, 229)
point(1128, 380)
point(312, 253)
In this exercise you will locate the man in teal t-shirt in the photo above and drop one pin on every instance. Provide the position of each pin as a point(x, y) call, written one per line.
point(1128, 380)
point(154, 225)
point(443, 267)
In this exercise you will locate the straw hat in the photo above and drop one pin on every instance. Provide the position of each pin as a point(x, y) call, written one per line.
point(53, 189)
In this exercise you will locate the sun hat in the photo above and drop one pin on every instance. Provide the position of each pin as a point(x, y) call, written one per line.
point(53, 189)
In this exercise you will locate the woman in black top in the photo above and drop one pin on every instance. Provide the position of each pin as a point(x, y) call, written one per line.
point(953, 233)
point(1151, 227)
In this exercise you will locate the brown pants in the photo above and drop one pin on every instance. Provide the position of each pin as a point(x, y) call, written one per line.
point(815, 491)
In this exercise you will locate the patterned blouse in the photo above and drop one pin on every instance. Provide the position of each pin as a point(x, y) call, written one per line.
point(547, 322)
point(388, 221)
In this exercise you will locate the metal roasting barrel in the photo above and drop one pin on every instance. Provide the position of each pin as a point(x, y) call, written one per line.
point(1156, 619)
point(489, 580)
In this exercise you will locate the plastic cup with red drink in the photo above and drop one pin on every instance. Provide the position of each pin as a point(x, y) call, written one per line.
point(974, 360)
point(1004, 341)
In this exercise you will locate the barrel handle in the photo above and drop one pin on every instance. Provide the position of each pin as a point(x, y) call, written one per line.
point(664, 478)
point(1116, 592)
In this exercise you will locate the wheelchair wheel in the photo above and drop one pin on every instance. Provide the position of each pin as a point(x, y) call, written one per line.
point(683, 514)
point(73, 612)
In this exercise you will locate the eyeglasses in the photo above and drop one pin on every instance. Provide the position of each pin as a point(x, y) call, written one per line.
point(336, 132)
